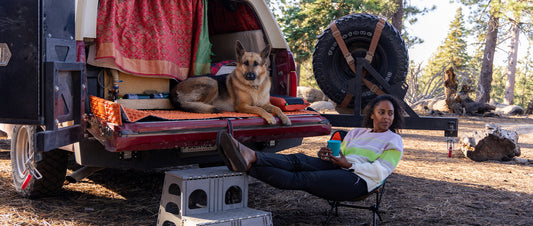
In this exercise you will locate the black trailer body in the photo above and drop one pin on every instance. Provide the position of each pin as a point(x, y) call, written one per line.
point(43, 84)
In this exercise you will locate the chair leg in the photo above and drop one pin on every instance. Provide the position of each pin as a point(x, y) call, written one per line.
point(374, 208)
point(333, 205)
point(379, 197)
point(375, 211)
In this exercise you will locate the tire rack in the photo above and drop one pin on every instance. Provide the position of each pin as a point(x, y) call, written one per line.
point(412, 121)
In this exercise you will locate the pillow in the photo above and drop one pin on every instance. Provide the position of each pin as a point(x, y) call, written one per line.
point(288, 103)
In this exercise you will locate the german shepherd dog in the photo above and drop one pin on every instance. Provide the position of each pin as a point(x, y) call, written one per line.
point(246, 89)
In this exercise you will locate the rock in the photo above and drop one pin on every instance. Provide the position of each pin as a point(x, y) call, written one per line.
point(509, 109)
point(5, 131)
point(310, 94)
point(492, 143)
point(344, 110)
point(423, 105)
point(523, 161)
point(440, 105)
point(322, 105)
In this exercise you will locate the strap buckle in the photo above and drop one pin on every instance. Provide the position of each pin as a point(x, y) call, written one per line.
point(349, 58)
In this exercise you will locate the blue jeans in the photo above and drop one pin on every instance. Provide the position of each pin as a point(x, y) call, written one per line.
point(313, 175)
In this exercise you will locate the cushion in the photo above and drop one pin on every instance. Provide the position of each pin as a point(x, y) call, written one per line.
point(288, 103)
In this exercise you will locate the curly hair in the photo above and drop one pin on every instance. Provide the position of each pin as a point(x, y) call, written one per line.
point(398, 121)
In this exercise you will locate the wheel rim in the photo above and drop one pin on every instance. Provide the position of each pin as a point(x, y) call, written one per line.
point(22, 150)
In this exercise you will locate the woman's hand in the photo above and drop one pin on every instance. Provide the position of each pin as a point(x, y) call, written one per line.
point(324, 153)
point(340, 160)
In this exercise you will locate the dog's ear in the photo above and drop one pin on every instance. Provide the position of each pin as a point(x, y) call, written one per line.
point(265, 53)
point(239, 50)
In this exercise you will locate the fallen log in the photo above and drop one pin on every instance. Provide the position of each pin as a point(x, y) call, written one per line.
point(492, 143)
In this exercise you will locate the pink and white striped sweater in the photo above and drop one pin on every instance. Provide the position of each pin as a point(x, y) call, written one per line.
point(373, 155)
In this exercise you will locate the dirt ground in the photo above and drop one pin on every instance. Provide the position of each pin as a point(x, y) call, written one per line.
point(427, 188)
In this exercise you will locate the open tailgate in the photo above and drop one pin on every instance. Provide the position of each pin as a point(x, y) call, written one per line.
point(109, 125)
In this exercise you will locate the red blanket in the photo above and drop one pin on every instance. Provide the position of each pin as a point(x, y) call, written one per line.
point(149, 38)
point(110, 111)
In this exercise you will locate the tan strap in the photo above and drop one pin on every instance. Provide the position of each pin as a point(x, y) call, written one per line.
point(351, 62)
point(347, 55)
point(375, 39)
point(373, 87)
point(338, 37)
point(346, 100)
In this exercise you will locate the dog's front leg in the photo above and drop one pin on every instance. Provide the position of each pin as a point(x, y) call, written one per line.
point(277, 111)
point(257, 110)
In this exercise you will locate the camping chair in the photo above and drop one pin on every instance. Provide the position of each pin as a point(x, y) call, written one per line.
point(339, 135)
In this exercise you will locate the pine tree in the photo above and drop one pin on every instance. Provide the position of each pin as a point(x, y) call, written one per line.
point(452, 53)
point(520, 13)
point(524, 81)
point(303, 20)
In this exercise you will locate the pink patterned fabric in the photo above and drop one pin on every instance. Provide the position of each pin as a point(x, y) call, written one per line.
point(149, 38)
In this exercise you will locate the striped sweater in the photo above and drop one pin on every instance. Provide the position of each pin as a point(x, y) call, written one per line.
point(373, 155)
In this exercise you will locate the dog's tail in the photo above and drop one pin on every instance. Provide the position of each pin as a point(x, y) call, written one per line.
point(174, 100)
point(198, 107)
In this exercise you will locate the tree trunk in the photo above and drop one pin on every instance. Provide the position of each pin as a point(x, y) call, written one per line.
point(298, 70)
point(511, 67)
point(522, 97)
point(485, 77)
point(529, 109)
point(397, 17)
point(450, 91)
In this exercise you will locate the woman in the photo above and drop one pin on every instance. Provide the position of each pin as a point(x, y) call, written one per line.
point(368, 156)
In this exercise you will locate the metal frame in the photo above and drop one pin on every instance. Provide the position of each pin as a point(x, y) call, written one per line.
point(374, 208)
point(63, 81)
point(413, 121)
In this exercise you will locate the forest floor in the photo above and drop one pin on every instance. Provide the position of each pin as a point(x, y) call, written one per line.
point(427, 188)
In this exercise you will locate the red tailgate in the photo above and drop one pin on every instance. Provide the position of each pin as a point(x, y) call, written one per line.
point(139, 136)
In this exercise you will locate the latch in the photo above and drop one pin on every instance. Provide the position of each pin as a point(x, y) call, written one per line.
point(33, 172)
point(450, 144)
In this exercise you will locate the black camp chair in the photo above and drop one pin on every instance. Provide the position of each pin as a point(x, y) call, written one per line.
point(378, 192)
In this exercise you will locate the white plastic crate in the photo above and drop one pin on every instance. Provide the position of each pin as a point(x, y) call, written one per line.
point(233, 192)
point(233, 217)
point(203, 190)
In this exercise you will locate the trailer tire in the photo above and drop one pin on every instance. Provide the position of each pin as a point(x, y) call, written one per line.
point(331, 70)
point(52, 166)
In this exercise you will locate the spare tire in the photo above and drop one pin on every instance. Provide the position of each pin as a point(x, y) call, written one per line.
point(332, 72)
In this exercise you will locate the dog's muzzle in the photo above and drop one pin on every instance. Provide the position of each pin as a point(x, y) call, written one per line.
point(250, 76)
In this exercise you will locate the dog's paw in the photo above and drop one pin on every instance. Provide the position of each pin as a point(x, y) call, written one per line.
point(271, 120)
point(285, 120)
